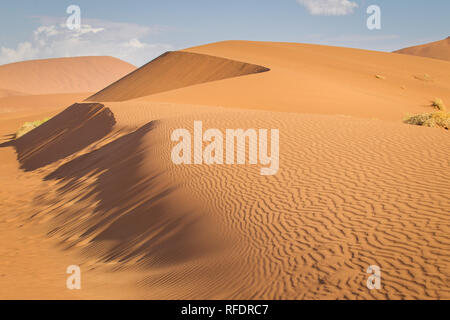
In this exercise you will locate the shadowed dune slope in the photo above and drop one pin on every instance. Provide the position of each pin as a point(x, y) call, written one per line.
point(174, 70)
point(320, 79)
point(349, 193)
point(437, 50)
point(62, 75)
point(68, 132)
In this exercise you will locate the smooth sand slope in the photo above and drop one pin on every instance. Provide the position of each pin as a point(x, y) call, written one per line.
point(437, 50)
point(309, 79)
point(95, 186)
point(38, 103)
point(350, 193)
point(9, 93)
point(174, 70)
point(62, 75)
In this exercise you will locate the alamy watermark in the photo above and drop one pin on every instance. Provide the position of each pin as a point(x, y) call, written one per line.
point(74, 20)
point(235, 142)
point(374, 20)
point(374, 281)
point(73, 282)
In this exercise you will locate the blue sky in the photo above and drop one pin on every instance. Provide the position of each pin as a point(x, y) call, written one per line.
point(140, 30)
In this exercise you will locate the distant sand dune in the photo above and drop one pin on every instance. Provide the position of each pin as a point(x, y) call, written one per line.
point(174, 70)
point(62, 75)
point(318, 79)
point(437, 50)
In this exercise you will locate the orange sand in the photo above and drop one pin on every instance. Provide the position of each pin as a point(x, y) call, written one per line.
point(63, 75)
point(97, 187)
point(437, 50)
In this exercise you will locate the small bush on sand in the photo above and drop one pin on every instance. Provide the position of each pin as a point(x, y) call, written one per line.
point(438, 104)
point(28, 126)
point(439, 119)
point(379, 76)
point(423, 77)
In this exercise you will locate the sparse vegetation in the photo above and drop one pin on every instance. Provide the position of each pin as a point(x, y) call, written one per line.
point(439, 119)
point(438, 104)
point(423, 77)
point(28, 126)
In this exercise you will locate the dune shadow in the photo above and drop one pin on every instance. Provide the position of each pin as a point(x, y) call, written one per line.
point(138, 215)
point(68, 132)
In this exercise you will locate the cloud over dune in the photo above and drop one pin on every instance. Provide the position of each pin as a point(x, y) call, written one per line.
point(94, 38)
point(329, 7)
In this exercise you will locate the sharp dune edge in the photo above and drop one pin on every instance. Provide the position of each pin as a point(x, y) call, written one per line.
point(174, 70)
point(95, 186)
point(436, 50)
point(303, 78)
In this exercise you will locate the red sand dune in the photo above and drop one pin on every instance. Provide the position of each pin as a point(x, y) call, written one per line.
point(174, 70)
point(302, 78)
point(62, 75)
point(437, 50)
point(98, 187)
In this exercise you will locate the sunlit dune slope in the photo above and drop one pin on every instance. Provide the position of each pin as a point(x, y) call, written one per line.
point(437, 50)
point(62, 75)
point(174, 70)
point(320, 79)
point(98, 182)
point(9, 93)
point(349, 193)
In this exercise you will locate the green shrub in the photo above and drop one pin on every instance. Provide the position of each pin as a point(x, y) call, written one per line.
point(28, 126)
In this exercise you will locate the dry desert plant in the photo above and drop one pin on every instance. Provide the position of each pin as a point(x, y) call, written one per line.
point(28, 126)
point(439, 119)
point(438, 104)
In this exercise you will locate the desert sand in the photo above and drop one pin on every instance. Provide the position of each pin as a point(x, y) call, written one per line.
point(437, 50)
point(95, 186)
point(306, 79)
point(62, 75)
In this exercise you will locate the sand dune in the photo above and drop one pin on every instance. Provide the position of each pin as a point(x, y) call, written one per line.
point(309, 79)
point(174, 70)
point(9, 93)
point(97, 186)
point(63, 75)
point(437, 50)
point(37, 103)
point(350, 193)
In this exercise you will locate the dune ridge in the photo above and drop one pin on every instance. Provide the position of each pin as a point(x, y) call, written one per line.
point(174, 70)
point(62, 75)
point(308, 79)
point(436, 50)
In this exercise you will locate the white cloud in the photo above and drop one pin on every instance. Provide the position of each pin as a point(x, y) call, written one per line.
point(329, 7)
point(24, 51)
point(95, 38)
